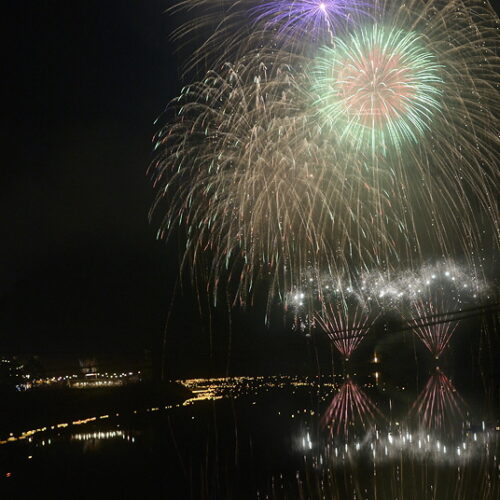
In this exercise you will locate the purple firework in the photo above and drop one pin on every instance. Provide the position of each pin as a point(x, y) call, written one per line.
point(315, 18)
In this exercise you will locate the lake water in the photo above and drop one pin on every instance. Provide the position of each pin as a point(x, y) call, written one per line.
point(325, 437)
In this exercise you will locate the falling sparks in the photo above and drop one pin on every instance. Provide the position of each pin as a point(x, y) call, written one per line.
point(353, 138)
point(429, 299)
point(380, 87)
point(439, 407)
point(349, 406)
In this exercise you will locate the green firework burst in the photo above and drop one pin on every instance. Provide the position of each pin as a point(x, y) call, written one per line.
point(377, 88)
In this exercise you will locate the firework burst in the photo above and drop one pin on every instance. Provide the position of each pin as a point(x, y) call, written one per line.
point(226, 30)
point(439, 407)
point(258, 188)
point(413, 93)
point(434, 336)
point(432, 300)
point(241, 176)
point(314, 20)
point(350, 407)
point(379, 87)
point(346, 323)
point(377, 153)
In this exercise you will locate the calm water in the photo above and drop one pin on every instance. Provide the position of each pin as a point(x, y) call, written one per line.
point(335, 437)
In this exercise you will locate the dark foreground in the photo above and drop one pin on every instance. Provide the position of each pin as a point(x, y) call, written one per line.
point(21, 411)
point(335, 437)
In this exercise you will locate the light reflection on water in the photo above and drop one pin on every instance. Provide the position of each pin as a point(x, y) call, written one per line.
point(301, 438)
point(436, 452)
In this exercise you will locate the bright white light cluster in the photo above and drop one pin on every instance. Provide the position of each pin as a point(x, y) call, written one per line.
point(389, 290)
point(449, 277)
point(99, 435)
point(417, 446)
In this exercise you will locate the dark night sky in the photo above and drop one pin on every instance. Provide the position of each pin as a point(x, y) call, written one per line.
point(82, 84)
point(81, 271)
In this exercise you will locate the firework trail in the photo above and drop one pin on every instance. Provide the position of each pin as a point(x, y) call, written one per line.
point(312, 20)
point(434, 336)
point(413, 94)
point(345, 309)
point(346, 324)
point(336, 306)
point(371, 147)
point(256, 186)
point(439, 407)
point(392, 290)
point(349, 407)
point(431, 301)
point(226, 30)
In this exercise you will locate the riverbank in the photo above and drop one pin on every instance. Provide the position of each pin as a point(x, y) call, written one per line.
point(44, 407)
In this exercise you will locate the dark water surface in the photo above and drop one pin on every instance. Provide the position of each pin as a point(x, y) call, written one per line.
point(332, 437)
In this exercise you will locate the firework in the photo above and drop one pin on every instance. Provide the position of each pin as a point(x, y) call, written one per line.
point(336, 306)
point(430, 299)
point(439, 407)
point(348, 408)
point(433, 302)
point(377, 153)
point(226, 30)
point(312, 20)
point(389, 289)
point(379, 87)
point(405, 92)
point(434, 336)
point(240, 175)
point(257, 188)
point(392, 290)
point(413, 92)
point(345, 323)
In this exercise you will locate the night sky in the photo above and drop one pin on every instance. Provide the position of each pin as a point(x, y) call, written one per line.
point(82, 84)
point(81, 270)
